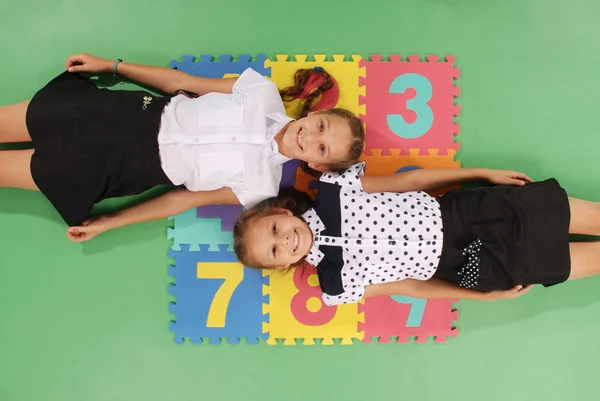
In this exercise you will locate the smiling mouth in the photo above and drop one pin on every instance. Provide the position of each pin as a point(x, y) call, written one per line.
point(296, 242)
point(299, 139)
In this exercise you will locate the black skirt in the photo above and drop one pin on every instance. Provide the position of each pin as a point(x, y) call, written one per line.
point(499, 237)
point(91, 143)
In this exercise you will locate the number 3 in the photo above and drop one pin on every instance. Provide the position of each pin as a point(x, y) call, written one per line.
point(418, 104)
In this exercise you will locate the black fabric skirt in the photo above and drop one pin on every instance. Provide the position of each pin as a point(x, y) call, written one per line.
point(502, 236)
point(91, 143)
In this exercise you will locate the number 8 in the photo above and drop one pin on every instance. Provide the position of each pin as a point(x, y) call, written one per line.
point(299, 304)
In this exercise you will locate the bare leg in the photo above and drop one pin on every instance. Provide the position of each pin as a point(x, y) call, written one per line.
point(585, 259)
point(585, 217)
point(15, 169)
point(12, 123)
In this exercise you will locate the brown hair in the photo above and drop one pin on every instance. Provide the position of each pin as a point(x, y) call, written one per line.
point(289, 198)
point(301, 77)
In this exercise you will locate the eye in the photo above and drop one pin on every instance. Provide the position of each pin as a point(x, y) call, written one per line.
point(321, 126)
point(274, 228)
point(274, 251)
point(322, 150)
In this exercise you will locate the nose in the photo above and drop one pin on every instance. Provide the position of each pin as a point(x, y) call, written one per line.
point(308, 136)
point(284, 239)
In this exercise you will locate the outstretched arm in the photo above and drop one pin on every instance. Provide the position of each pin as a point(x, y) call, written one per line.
point(168, 204)
point(167, 80)
point(431, 179)
point(435, 288)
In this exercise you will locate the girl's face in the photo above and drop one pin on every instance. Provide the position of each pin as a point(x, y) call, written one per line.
point(277, 241)
point(319, 139)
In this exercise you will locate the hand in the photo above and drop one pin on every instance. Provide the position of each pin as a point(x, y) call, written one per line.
point(87, 63)
point(89, 229)
point(507, 177)
point(514, 292)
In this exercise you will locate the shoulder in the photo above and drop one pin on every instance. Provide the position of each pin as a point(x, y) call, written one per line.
point(350, 177)
point(251, 78)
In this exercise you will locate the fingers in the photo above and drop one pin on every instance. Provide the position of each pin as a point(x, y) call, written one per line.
point(519, 179)
point(522, 176)
point(519, 290)
point(77, 234)
point(74, 60)
point(509, 177)
point(525, 289)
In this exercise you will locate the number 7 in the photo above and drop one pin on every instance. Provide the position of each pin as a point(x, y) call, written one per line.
point(417, 309)
point(233, 274)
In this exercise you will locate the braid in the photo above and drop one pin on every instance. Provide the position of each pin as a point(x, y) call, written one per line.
point(301, 79)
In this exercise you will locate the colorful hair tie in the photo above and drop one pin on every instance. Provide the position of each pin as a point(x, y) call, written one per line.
point(318, 69)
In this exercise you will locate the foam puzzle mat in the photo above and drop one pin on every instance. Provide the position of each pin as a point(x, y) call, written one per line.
point(409, 106)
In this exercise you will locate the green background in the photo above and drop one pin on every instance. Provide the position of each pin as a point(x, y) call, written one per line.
point(90, 322)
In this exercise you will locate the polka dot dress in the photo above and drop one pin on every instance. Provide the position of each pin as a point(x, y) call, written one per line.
point(385, 237)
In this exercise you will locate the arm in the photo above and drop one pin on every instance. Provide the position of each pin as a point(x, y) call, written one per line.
point(430, 179)
point(435, 288)
point(167, 80)
point(168, 204)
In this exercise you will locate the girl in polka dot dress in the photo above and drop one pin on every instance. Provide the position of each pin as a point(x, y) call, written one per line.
point(384, 235)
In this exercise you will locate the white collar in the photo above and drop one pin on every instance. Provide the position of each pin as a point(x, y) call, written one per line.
point(275, 122)
point(316, 225)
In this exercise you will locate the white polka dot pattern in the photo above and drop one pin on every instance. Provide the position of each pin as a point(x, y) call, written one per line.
point(470, 270)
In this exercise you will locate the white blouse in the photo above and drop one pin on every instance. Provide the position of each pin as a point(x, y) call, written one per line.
point(226, 140)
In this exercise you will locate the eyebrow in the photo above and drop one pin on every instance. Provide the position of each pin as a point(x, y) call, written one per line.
point(269, 227)
point(327, 147)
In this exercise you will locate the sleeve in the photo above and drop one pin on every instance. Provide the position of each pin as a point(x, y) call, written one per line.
point(252, 84)
point(248, 79)
point(349, 178)
point(352, 286)
point(249, 198)
point(349, 296)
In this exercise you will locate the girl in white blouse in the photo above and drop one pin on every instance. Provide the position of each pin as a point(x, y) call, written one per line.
point(383, 235)
point(217, 141)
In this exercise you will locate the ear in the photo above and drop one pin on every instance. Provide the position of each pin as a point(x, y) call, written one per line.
point(319, 167)
point(283, 211)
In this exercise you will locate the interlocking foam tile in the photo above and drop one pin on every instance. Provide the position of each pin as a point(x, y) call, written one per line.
point(378, 164)
point(288, 176)
point(410, 104)
point(215, 297)
point(405, 317)
point(227, 214)
point(190, 230)
point(306, 183)
point(296, 311)
point(346, 75)
point(211, 68)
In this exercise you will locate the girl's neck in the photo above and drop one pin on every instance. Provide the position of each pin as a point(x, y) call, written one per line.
point(278, 138)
